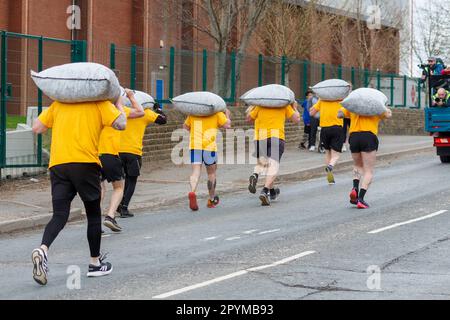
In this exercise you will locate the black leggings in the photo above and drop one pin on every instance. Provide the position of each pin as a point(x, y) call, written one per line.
point(130, 186)
point(61, 211)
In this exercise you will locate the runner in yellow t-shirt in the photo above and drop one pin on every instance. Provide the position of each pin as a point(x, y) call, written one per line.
point(130, 152)
point(112, 169)
point(269, 145)
point(331, 135)
point(364, 146)
point(203, 148)
point(75, 168)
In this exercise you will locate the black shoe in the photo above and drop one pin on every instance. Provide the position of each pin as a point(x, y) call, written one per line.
point(124, 213)
point(216, 200)
point(40, 266)
point(103, 269)
point(302, 146)
point(253, 181)
point(274, 193)
point(265, 198)
point(112, 224)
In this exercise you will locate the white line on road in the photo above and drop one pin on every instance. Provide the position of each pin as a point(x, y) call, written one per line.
point(210, 238)
point(250, 231)
point(269, 231)
point(408, 222)
point(106, 235)
point(231, 275)
point(147, 238)
point(232, 238)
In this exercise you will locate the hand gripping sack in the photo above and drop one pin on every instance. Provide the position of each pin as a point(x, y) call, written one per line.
point(199, 103)
point(366, 102)
point(144, 99)
point(332, 90)
point(270, 96)
point(78, 82)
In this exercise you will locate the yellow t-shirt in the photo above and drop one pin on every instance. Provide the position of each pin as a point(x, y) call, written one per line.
point(76, 130)
point(269, 122)
point(110, 139)
point(203, 131)
point(362, 123)
point(329, 113)
point(131, 139)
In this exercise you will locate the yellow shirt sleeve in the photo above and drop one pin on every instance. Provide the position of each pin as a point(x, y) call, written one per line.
point(188, 121)
point(46, 117)
point(254, 113)
point(221, 119)
point(289, 112)
point(150, 116)
point(318, 105)
point(345, 112)
point(109, 113)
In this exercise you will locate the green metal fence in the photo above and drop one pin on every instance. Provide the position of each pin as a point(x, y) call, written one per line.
point(21, 101)
point(166, 73)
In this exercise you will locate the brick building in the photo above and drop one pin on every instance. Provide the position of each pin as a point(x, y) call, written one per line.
point(148, 24)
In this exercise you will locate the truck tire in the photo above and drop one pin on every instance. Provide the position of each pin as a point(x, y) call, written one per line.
point(445, 159)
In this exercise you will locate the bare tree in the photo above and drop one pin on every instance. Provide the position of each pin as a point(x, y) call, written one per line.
point(231, 25)
point(433, 30)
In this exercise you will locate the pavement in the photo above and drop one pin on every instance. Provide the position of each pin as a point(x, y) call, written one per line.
point(26, 204)
point(311, 244)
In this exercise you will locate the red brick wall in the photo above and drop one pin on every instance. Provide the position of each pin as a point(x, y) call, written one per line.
point(4, 4)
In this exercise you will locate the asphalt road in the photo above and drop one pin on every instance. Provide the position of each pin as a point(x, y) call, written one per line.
point(311, 244)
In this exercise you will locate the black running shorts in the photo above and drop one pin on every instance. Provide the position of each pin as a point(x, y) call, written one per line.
point(332, 138)
point(272, 148)
point(132, 164)
point(363, 142)
point(112, 169)
point(71, 178)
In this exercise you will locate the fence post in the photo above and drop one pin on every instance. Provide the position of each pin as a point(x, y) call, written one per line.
point(392, 90)
point(260, 70)
point(323, 71)
point(3, 80)
point(366, 78)
point(283, 70)
point(133, 67)
point(353, 77)
point(233, 77)
point(419, 101)
point(112, 56)
point(405, 91)
point(305, 77)
point(40, 67)
point(171, 71)
point(340, 72)
point(205, 70)
point(379, 80)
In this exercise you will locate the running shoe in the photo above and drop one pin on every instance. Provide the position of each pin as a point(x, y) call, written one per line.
point(253, 180)
point(265, 198)
point(101, 270)
point(211, 204)
point(274, 193)
point(193, 201)
point(362, 204)
point(216, 200)
point(112, 224)
point(354, 197)
point(124, 213)
point(330, 176)
point(40, 266)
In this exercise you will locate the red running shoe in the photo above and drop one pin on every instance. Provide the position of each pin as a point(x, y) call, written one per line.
point(362, 204)
point(354, 197)
point(193, 201)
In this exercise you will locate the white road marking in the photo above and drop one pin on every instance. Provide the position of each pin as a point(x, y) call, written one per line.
point(231, 275)
point(147, 238)
point(232, 238)
point(408, 222)
point(210, 238)
point(250, 231)
point(269, 231)
point(106, 235)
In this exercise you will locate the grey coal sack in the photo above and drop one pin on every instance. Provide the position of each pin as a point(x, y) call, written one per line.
point(78, 82)
point(201, 103)
point(332, 90)
point(269, 96)
point(143, 98)
point(366, 102)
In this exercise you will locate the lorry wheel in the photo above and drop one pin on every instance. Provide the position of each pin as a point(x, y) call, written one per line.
point(445, 159)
